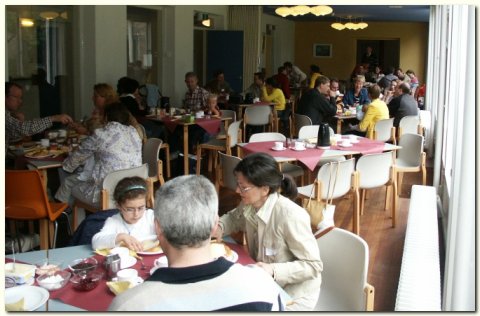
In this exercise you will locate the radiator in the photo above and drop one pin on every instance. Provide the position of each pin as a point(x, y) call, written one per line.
point(419, 283)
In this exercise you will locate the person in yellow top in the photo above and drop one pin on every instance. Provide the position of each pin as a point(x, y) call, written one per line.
point(314, 74)
point(377, 110)
point(272, 93)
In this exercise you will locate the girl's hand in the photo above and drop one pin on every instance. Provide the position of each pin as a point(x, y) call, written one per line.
point(130, 242)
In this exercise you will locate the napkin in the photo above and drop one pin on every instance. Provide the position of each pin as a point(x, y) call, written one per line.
point(119, 287)
point(16, 306)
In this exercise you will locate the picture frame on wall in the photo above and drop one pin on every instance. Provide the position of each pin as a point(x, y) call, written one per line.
point(322, 50)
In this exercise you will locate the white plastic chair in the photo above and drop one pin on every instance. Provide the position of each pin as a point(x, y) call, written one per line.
point(345, 258)
point(286, 167)
point(232, 115)
point(425, 125)
point(385, 131)
point(300, 120)
point(150, 152)
point(345, 183)
point(376, 170)
point(215, 145)
point(410, 158)
point(224, 172)
point(257, 115)
point(409, 124)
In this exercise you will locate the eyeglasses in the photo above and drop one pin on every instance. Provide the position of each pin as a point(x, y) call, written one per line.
point(243, 190)
point(133, 209)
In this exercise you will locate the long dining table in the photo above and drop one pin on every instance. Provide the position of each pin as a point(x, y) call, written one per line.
point(210, 125)
point(98, 299)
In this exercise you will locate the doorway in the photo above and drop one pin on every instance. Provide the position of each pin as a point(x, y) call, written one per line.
point(387, 51)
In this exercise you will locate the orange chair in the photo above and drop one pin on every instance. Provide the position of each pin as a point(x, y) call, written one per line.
point(26, 199)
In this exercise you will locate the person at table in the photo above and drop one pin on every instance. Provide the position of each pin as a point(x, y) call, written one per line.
point(212, 105)
point(335, 88)
point(402, 105)
point(319, 103)
point(133, 224)
point(384, 83)
point(116, 146)
point(377, 110)
point(16, 127)
point(255, 89)
point(273, 94)
point(295, 75)
point(283, 82)
point(314, 74)
point(196, 97)
point(413, 81)
point(220, 87)
point(357, 95)
point(392, 91)
point(194, 280)
point(278, 232)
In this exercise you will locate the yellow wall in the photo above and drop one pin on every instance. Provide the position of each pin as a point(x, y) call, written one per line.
point(413, 45)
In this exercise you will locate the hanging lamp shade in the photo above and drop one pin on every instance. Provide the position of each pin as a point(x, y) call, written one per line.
point(283, 11)
point(321, 10)
point(350, 25)
point(362, 25)
point(338, 26)
point(49, 15)
point(301, 9)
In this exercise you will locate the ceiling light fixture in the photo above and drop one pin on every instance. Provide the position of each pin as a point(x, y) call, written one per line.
point(282, 11)
point(26, 22)
point(350, 25)
point(321, 10)
point(49, 15)
point(303, 9)
point(207, 22)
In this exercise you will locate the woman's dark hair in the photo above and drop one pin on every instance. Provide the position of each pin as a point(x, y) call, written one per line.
point(271, 82)
point(261, 169)
point(117, 112)
point(315, 68)
point(129, 188)
point(127, 85)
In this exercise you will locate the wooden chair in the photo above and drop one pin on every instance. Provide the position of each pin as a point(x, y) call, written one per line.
point(232, 115)
point(26, 199)
point(224, 172)
point(216, 145)
point(300, 121)
point(164, 146)
point(376, 170)
point(410, 158)
point(385, 131)
point(108, 186)
point(257, 115)
point(345, 258)
point(150, 151)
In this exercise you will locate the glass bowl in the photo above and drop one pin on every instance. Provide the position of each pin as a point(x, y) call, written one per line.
point(54, 280)
point(86, 282)
point(83, 266)
point(47, 266)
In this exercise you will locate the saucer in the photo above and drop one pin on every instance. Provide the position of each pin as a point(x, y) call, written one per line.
point(342, 145)
point(299, 149)
point(276, 149)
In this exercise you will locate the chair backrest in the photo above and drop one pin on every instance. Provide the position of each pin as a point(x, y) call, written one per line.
point(227, 164)
point(233, 133)
point(150, 152)
point(411, 150)
point(227, 114)
point(308, 131)
point(267, 137)
point(409, 124)
point(383, 129)
point(374, 170)
point(25, 195)
point(257, 115)
point(345, 259)
point(300, 121)
point(111, 180)
point(344, 178)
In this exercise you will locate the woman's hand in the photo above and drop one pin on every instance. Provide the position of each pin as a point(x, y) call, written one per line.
point(267, 267)
point(130, 242)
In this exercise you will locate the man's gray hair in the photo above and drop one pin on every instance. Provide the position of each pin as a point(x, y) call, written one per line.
point(186, 208)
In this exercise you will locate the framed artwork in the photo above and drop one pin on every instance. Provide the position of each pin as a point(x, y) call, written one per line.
point(322, 50)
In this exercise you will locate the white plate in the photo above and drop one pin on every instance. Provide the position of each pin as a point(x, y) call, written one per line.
point(276, 149)
point(128, 262)
point(296, 149)
point(342, 145)
point(233, 257)
point(38, 157)
point(147, 253)
point(34, 296)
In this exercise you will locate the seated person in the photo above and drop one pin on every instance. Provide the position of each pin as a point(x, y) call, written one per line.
point(376, 111)
point(402, 105)
point(314, 74)
point(277, 230)
point(283, 82)
point(194, 280)
point(133, 223)
point(357, 95)
point(116, 146)
point(255, 89)
point(272, 93)
point(318, 103)
point(195, 97)
point(212, 106)
point(220, 87)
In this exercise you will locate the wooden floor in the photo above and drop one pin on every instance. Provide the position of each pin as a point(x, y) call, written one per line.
point(385, 242)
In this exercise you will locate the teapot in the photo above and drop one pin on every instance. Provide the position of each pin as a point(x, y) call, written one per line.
point(323, 137)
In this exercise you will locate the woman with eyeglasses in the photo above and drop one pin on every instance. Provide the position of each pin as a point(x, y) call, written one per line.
point(277, 230)
point(133, 223)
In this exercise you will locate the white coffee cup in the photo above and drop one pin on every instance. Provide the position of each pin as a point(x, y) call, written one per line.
point(129, 275)
point(353, 138)
point(299, 145)
point(338, 137)
point(199, 114)
point(45, 142)
point(62, 132)
point(346, 142)
point(52, 135)
point(256, 100)
point(278, 145)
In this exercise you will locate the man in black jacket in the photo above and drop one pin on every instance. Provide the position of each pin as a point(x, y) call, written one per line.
point(318, 103)
point(402, 105)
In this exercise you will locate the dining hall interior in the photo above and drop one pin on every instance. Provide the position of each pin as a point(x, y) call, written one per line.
point(418, 251)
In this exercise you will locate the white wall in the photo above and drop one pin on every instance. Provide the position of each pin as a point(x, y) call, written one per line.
point(283, 39)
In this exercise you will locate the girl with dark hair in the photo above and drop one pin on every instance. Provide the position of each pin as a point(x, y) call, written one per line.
point(277, 230)
point(133, 224)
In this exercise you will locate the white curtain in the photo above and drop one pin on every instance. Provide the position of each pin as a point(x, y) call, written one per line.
point(247, 19)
